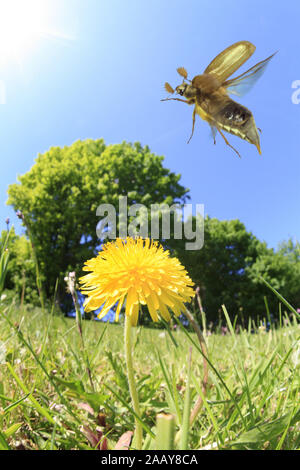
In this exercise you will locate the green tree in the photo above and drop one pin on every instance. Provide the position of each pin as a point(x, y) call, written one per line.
point(229, 267)
point(21, 273)
point(59, 196)
point(281, 269)
point(220, 267)
point(4, 258)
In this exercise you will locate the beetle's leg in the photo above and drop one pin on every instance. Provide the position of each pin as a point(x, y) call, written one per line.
point(194, 118)
point(176, 99)
point(227, 143)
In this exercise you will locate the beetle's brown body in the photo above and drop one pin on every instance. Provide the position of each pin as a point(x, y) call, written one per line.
point(229, 116)
point(209, 93)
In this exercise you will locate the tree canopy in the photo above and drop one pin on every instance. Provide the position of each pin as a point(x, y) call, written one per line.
point(229, 267)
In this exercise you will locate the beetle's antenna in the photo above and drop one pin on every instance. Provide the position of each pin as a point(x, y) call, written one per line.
point(182, 72)
point(168, 88)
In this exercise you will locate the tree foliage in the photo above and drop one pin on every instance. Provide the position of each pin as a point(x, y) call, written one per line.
point(21, 271)
point(229, 266)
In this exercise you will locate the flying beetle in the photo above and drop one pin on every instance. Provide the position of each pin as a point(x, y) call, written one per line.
point(209, 93)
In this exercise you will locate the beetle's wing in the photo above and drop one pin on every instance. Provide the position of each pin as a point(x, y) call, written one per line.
point(229, 60)
point(243, 83)
point(214, 131)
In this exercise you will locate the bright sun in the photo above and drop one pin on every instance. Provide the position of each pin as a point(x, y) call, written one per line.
point(21, 23)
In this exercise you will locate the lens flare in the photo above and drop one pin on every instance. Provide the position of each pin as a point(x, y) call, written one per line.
point(22, 24)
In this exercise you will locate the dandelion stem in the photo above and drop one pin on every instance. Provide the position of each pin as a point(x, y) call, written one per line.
point(131, 382)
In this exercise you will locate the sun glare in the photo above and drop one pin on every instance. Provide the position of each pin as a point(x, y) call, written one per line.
point(21, 23)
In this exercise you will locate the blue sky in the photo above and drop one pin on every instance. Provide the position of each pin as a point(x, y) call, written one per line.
point(101, 71)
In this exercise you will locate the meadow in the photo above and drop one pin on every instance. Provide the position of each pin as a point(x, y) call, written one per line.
point(61, 390)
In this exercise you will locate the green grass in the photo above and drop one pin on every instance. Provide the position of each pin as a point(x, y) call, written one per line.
point(47, 401)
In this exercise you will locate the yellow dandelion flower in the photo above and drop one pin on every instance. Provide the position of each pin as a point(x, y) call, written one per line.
point(138, 272)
